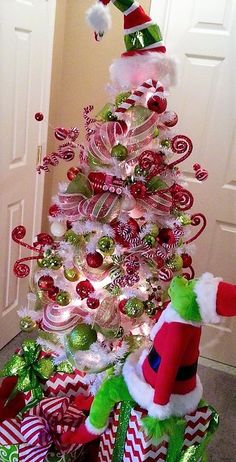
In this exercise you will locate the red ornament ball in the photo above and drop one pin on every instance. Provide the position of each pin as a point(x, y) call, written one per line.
point(157, 104)
point(84, 288)
point(46, 282)
point(39, 116)
point(187, 260)
point(52, 293)
point(54, 210)
point(92, 303)
point(61, 133)
point(138, 190)
point(72, 173)
point(121, 305)
point(166, 236)
point(94, 260)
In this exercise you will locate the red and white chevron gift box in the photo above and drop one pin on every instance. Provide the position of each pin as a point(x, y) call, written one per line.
point(63, 384)
point(138, 448)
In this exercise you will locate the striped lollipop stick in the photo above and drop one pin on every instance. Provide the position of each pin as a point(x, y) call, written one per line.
point(146, 86)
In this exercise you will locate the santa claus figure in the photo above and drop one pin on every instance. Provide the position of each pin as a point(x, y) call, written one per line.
point(164, 380)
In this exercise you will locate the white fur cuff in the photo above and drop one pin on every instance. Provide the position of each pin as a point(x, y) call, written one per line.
point(206, 292)
point(94, 430)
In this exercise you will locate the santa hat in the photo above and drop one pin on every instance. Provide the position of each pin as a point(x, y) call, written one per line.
point(215, 298)
point(145, 56)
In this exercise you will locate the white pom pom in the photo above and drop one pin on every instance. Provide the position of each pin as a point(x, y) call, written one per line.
point(98, 17)
point(58, 229)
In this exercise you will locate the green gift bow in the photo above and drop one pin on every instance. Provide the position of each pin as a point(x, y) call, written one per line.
point(31, 370)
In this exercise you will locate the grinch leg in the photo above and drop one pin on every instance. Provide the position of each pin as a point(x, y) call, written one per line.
point(111, 392)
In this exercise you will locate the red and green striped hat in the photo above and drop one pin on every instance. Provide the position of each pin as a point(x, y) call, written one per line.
point(141, 33)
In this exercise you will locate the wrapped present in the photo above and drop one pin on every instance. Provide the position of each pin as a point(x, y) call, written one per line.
point(34, 437)
point(65, 384)
point(125, 441)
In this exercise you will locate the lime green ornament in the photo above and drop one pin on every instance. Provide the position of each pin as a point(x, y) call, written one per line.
point(82, 337)
point(43, 263)
point(55, 262)
point(156, 132)
point(155, 184)
point(184, 219)
point(134, 308)
point(122, 97)
point(175, 263)
point(71, 237)
point(166, 143)
point(72, 274)
point(106, 245)
point(154, 231)
point(138, 171)
point(63, 298)
point(27, 324)
point(150, 240)
point(119, 152)
point(106, 113)
point(150, 309)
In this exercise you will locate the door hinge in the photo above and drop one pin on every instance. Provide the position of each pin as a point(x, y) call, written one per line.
point(39, 154)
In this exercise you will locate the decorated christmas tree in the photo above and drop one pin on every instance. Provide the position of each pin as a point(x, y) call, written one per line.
point(120, 249)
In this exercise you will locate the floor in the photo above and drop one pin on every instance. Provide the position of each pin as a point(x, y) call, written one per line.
point(219, 382)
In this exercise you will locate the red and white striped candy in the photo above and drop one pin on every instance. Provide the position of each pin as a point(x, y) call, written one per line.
point(139, 93)
point(165, 274)
point(201, 174)
point(61, 133)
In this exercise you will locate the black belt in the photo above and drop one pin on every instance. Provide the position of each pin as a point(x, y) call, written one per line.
point(184, 372)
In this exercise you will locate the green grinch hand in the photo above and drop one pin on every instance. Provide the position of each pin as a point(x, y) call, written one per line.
point(183, 298)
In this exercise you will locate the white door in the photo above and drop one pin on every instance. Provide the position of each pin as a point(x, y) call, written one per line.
point(202, 34)
point(26, 37)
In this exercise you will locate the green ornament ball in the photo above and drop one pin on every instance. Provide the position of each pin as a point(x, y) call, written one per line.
point(71, 237)
point(166, 143)
point(106, 245)
point(43, 263)
point(175, 263)
point(119, 152)
point(27, 324)
point(134, 307)
point(72, 274)
point(150, 240)
point(154, 231)
point(150, 309)
point(55, 262)
point(81, 337)
point(138, 171)
point(63, 298)
point(119, 333)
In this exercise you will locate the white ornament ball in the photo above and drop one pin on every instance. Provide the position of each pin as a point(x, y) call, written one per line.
point(58, 228)
point(128, 203)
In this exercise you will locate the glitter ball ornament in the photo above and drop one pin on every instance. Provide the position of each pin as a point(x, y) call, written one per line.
point(52, 293)
point(119, 152)
point(175, 263)
point(157, 104)
point(134, 307)
point(166, 143)
point(107, 245)
point(94, 260)
point(84, 288)
point(61, 133)
point(58, 228)
point(138, 190)
point(72, 173)
point(150, 309)
point(92, 303)
point(63, 298)
point(166, 236)
point(45, 282)
point(39, 116)
point(71, 237)
point(27, 324)
point(43, 263)
point(55, 262)
point(81, 337)
point(149, 240)
point(154, 230)
point(71, 274)
point(187, 260)
point(54, 210)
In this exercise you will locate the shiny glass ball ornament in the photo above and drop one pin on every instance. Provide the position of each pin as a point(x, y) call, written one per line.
point(52, 293)
point(58, 228)
point(138, 171)
point(138, 190)
point(166, 236)
point(156, 132)
point(60, 133)
point(92, 303)
point(39, 116)
point(54, 210)
point(166, 143)
point(150, 309)
point(55, 262)
point(84, 288)
point(119, 152)
point(175, 263)
point(71, 237)
point(107, 245)
point(43, 263)
point(154, 231)
point(122, 304)
point(81, 337)
point(45, 282)
point(94, 260)
point(72, 274)
point(134, 307)
point(128, 203)
point(157, 104)
point(187, 260)
point(72, 173)
point(63, 298)
point(149, 240)
point(27, 324)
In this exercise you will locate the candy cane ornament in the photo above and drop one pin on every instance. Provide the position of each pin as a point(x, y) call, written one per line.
point(156, 103)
